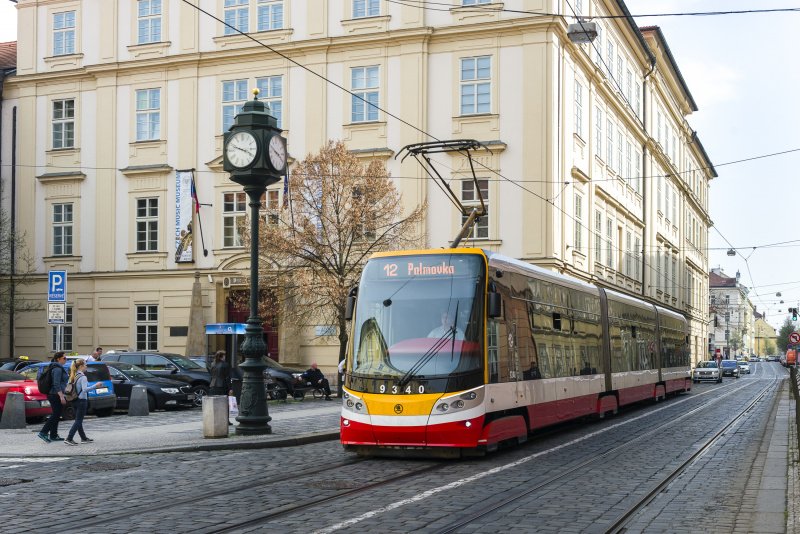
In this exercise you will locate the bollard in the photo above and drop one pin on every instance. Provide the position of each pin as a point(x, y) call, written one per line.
point(14, 411)
point(138, 404)
point(215, 416)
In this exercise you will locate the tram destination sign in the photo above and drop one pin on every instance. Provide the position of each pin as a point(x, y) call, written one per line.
point(423, 267)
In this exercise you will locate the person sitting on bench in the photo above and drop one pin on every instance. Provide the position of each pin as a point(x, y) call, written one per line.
point(318, 380)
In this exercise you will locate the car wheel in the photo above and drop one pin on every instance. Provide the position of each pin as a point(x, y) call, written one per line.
point(151, 403)
point(105, 412)
point(199, 392)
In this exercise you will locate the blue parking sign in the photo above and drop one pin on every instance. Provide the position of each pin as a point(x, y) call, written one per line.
point(57, 286)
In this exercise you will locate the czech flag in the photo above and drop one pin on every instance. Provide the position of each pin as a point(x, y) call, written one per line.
point(194, 198)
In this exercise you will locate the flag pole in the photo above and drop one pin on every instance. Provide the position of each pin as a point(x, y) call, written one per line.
point(197, 211)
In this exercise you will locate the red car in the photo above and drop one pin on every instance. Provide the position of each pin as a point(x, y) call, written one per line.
point(37, 407)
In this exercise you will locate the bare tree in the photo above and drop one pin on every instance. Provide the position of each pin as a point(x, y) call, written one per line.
point(16, 270)
point(342, 211)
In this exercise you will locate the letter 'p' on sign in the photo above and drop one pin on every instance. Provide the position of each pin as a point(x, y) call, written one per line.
point(57, 286)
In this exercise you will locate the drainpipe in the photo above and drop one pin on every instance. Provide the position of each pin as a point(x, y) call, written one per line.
point(645, 172)
point(13, 229)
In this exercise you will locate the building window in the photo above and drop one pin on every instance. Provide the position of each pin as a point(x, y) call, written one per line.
point(149, 21)
point(637, 98)
point(237, 16)
point(628, 255)
point(366, 94)
point(146, 224)
point(476, 74)
point(62, 229)
point(637, 171)
point(610, 58)
point(674, 277)
point(620, 148)
point(366, 8)
point(610, 143)
point(147, 327)
point(628, 162)
point(234, 210)
point(469, 198)
point(148, 114)
point(270, 90)
point(578, 222)
point(64, 123)
point(64, 33)
point(579, 109)
point(598, 236)
point(234, 95)
point(270, 15)
point(637, 261)
point(628, 85)
point(610, 242)
point(598, 132)
point(66, 333)
point(271, 204)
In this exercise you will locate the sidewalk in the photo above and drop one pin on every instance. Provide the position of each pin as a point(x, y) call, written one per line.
point(293, 423)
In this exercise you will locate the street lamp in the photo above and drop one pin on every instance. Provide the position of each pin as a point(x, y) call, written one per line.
point(254, 153)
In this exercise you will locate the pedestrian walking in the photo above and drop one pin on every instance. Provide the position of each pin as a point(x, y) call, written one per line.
point(220, 376)
point(77, 376)
point(49, 431)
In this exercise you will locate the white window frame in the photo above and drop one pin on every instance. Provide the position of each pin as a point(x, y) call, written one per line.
point(270, 90)
point(63, 228)
point(147, 210)
point(66, 332)
point(628, 162)
point(63, 123)
point(64, 33)
point(234, 96)
point(237, 14)
point(598, 236)
point(609, 241)
point(366, 8)
point(637, 170)
point(269, 15)
point(637, 258)
point(598, 132)
point(271, 204)
point(578, 222)
point(148, 25)
point(147, 327)
point(578, 109)
point(366, 98)
point(628, 254)
point(234, 209)
point(475, 85)
point(148, 114)
point(469, 199)
point(610, 143)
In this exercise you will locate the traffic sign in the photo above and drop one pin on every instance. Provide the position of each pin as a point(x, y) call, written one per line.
point(56, 312)
point(57, 286)
point(794, 337)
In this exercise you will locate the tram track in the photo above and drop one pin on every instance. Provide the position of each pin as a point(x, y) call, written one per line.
point(617, 525)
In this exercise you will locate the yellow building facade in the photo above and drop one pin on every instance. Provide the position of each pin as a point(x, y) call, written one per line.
point(593, 169)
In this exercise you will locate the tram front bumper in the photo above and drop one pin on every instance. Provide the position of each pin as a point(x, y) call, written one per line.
point(405, 432)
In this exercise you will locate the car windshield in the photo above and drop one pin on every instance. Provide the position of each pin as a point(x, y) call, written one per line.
point(728, 363)
point(706, 365)
point(132, 371)
point(7, 376)
point(419, 317)
point(184, 362)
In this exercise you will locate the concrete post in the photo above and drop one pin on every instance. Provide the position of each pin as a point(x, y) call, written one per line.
point(14, 411)
point(138, 403)
point(215, 416)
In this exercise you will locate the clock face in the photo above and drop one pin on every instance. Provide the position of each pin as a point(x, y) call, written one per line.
point(277, 153)
point(241, 149)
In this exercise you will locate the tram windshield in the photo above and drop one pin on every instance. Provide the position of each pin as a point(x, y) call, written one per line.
point(420, 318)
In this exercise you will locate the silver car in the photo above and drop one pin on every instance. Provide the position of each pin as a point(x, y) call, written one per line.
point(744, 368)
point(707, 370)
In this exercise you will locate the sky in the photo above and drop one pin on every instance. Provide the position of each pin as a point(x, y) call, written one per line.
point(742, 71)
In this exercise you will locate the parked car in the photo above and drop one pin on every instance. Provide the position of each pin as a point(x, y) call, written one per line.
point(15, 364)
point(162, 392)
point(285, 379)
point(707, 370)
point(102, 400)
point(203, 361)
point(744, 368)
point(37, 407)
point(730, 368)
point(167, 365)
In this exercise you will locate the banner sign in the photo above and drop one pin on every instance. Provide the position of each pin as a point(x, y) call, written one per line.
point(184, 202)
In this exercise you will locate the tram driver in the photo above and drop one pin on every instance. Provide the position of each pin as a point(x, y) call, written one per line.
point(447, 328)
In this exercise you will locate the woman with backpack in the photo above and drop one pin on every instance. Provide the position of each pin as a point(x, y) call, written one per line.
point(81, 386)
point(53, 379)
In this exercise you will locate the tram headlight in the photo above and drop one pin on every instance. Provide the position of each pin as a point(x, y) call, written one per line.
point(469, 395)
point(458, 404)
point(349, 403)
point(443, 407)
point(359, 406)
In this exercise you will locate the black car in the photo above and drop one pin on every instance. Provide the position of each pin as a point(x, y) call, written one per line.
point(16, 364)
point(162, 393)
point(729, 368)
point(285, 379)
point(168, 365)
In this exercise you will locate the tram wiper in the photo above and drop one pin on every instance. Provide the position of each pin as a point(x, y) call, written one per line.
point(430, 353)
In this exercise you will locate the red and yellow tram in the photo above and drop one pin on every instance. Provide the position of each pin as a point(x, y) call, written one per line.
point(453, 352)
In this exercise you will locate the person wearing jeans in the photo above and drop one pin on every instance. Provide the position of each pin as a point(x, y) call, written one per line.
point(49, 431)
point(77, 377)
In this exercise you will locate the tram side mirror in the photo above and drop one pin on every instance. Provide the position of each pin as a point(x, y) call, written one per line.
point(350, 304)
point(495, 305)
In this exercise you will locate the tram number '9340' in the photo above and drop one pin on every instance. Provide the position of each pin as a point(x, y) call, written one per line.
point(395, 390)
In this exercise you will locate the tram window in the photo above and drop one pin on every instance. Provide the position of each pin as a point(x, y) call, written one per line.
point(556, 321)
